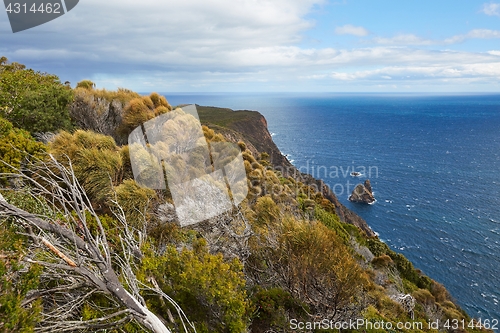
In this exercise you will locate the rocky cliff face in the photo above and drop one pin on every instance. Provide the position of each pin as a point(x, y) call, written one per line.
point(248, 126)
point(251, 128)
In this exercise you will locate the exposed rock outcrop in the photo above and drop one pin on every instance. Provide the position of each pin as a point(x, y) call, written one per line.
point(368, 186)
point(248, 126)
point(362, 193)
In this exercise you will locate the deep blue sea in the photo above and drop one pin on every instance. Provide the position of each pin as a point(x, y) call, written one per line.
point(434, 165)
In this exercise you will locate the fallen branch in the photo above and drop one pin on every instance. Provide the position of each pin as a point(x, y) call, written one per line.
point(59, 253)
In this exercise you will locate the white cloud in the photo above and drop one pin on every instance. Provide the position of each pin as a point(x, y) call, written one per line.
point(411, 39)
point(473, 34)
point(491, 9)
point(226, 45)
point(409, 73)
point(349, 29)
point(403, 39)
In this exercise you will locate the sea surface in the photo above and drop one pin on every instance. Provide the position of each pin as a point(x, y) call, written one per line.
point(433, 162)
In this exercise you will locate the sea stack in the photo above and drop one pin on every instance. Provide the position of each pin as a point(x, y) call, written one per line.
point(362, 193)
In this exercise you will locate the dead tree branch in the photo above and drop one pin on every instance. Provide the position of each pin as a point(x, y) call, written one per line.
point(81, 263)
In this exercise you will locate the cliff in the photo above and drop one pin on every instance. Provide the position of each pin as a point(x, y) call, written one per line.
point(248, 126)
point(251, 128)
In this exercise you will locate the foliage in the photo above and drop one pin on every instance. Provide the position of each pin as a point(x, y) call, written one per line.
point(321, 271)
point(382, 261)
point(16, 280)
point(403, 265)
point(267, 212)
point(210, 290)
point(332, 221)
point(25, 201)
point(95, 158)
point(273, 308)
point(86, 84)
point(34, 101)
point(135, 201)
point(139, 110)
point(16, 146)
point(312, 263)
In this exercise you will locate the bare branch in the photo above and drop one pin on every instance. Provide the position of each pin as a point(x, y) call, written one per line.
point(95, 269)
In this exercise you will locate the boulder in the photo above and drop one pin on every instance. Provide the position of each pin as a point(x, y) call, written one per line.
point(362, 193)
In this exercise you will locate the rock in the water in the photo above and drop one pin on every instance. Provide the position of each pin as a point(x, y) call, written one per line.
point(362, 193)
point(368, 186)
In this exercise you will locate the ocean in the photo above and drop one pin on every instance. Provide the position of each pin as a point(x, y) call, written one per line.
point(433, 162)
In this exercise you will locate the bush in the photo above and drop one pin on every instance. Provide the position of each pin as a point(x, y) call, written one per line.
point(439, 292)
point(424, 296)
point(382, 261)
point(16, 279)
point(135, 201)
point(34, 101)
point(267, 212)
point(96, 160)
point(86, 84)
point(17, 147)
point(139, 110)
point(273, 308)
point(312, 263)
point(403, 265)
point(210, 290)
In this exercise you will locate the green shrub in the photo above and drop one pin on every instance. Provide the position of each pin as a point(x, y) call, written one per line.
point(210, 290)
point(266, 211)
point(16, 279)
point(382, 261)
point(17, 147)
point(33, 101)
point(134, 200)
point(273, 308)
point(95, 158)
point(86, 84)
point(141, 109)
point(332, 221)
point(403, 265)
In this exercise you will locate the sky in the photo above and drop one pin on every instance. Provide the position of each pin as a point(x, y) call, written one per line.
point(268, 45)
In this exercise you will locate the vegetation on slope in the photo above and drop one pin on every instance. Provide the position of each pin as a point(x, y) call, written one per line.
point(283, 254)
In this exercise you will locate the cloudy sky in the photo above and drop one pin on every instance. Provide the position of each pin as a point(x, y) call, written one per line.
point(269, 45)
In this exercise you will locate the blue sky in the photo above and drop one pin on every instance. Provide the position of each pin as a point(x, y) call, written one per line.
point(263, 45)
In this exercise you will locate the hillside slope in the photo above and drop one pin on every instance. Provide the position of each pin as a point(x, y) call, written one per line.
point(87, 248)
